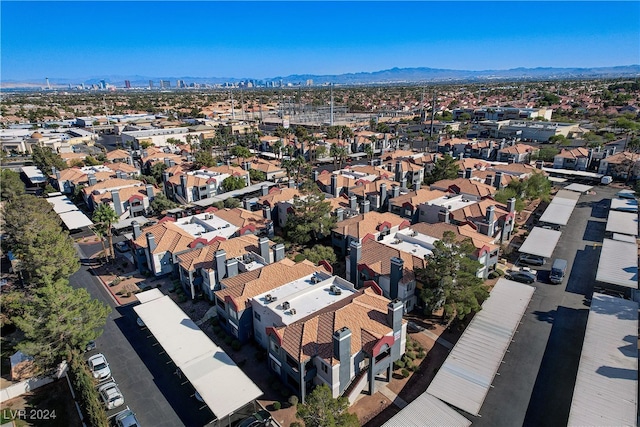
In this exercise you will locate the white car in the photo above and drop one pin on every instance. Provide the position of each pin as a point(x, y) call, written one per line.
point(99, 367)
point(111, 396)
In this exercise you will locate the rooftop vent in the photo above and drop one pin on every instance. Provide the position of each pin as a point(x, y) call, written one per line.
point(315, 279)
point(286, 305)
point(292, 311)
point(268, 297)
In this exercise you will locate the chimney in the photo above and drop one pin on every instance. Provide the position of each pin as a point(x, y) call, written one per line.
point(334, 185)
point(395, 191)
point(342, 353)
point(167, 162)
point(353, 203)
point(539, 164)
point(444, 216)
point(183, 184)
point(468, 173)
point(339, 214)
point(460, 174)
point(151, 243)
point(57, 173)
point(117, 204)
point(165, 176)
point(395, 310)
point(53, 170)
point(354, 258)
point(490, 218)
point(398, 171)
point(265, 189)
point(403, 183)
point(149, 191)
point(511, 204)
point(232, 267)
point(365, 206)
point(376, 202)
point(417, 185)
point(220, 257)
point(383, 193)
point(266, 212)
point(396, 275)
point(489, 180)
point(315, 175)
point(246, 203)
point(263, 244)
point(136, 230)
point(292, 184)
point(278, 251)
point(246, 166)
point(497, 182)
point(92, 179)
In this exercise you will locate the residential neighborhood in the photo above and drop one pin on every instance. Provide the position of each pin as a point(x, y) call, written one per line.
point(463, 257)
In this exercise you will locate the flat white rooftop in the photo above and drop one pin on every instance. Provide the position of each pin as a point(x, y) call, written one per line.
point(209, 228)
point(209, 369)
point(618, 264)
point(34, 174)
point(623, 222)
point(606, 387)
point(625, 205)
point(305, 296)
point(75, 220)
point(408, 241)
point(62, 204)
point(452, 203)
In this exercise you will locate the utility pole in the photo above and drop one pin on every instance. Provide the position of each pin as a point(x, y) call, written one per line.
point(331, 110)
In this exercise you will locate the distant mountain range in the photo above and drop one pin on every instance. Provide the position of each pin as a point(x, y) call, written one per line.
point(391, 76)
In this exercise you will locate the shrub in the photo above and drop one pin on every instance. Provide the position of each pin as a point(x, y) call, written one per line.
point(500, 272)
point(295, 424)
point(276, 406)
point(421, 355)
point(405, 373)
point(115, 281)
point(299, 258)
point(236, 345)
point(293, 400)
point(88, 399)
point(493, 275)
point(128, 294)
point(413, 368)
point(398, 364)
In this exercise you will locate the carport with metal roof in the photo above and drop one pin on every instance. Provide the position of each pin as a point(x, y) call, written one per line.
point(207, 367)
point(606, 388)
point(427, 411)
point(625, 205)
point(580, 188)
point(541, 242)
point(618, 264)
point(622, 222)
point(465, 377)
point(559, 211)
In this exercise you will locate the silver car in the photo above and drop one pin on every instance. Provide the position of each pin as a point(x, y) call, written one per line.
point(110, 395)
point(99, 367)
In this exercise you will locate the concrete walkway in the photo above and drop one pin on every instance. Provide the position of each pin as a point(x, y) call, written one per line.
point(397, 400)
point(433, 336)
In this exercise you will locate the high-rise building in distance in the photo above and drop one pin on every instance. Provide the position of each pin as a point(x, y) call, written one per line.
point(127, 84)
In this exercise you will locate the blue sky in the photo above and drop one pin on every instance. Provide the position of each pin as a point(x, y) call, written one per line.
point(82, 39)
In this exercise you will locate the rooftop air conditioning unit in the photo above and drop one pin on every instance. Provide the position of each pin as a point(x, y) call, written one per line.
point(268, 298)
point(286, 305)
point(315, 279)
point(292, 311)
point(337, 291)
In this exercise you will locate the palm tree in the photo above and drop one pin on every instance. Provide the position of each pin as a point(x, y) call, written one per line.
point(104, 217)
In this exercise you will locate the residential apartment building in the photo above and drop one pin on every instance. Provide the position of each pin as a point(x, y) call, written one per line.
point(374, 225)
point(573, 159)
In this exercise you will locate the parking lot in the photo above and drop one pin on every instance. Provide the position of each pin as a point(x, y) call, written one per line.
point(535, 383)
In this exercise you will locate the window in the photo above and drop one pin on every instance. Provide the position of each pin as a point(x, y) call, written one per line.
point(275, 348)
point(220, 303)
point(256, 315)
point(325, 368)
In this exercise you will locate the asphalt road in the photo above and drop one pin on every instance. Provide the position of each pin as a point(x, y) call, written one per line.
point(145, 374)
point(534, 386)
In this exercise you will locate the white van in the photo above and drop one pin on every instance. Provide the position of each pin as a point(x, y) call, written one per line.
point(558, 270)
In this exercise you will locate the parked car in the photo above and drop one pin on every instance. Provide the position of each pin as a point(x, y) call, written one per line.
point(91, 345)
point(127, 418)
point(522, 276)
point(99, 367)
point(140, 322)
point(531, 259)
point(110, 395)
point(122, 247)
point(260, 418)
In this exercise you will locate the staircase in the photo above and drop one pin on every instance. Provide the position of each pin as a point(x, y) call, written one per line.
point(355, 386)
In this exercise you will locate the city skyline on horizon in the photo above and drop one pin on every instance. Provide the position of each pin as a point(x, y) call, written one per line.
point(274, 39)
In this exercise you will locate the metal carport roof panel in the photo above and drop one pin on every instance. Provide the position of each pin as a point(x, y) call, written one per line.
point(626, 205)
point(618, 264)
point(606, 388)
point(622, 222)
point(427, 411)
point(580, 188)
point(541, 242)
point(558, 213)
point(466, 375)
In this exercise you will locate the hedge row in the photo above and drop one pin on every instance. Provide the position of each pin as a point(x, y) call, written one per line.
point(86, 393)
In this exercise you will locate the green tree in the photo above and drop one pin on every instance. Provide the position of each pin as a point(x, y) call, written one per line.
point(507, 193)
point(10, 184)
point(546, 154)
point(241, 152)
point(232, 203)
point(318, 253)
point(450, 279)
point(445, 168)
point(256, 175)
point(104, 217)
point(44, 158)
point(537, 186)
point(56, 320)
point(91, 161)
point(203, 159)
point(161, 203)
point(156, 171)
point(310, 219)
point(322, 410)
point(233, 183)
